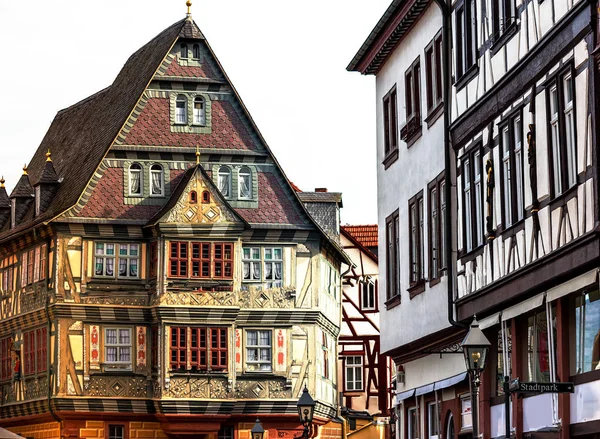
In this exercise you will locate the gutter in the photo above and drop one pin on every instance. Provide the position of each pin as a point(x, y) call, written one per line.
point(446, 67)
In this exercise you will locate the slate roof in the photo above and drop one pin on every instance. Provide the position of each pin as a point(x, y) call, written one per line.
point(4, 200)
point(23, 188)
point(365, 234)
point(321, 197)
point(80, 135)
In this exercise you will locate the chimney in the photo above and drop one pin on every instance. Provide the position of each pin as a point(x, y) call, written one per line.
point(4, 204)
point(46, 187)
point(320, 189)
point(20, 199)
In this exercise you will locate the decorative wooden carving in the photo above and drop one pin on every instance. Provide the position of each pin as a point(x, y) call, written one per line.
point(130, 387)
point(280, 350)
point(238, 350)
point(141, 346)
point(94, 347)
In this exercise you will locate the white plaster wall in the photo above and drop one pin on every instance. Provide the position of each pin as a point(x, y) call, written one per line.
point(431, 368)
point(498, 420)
point(585, 402)
point(416, 167)
point(537, 412)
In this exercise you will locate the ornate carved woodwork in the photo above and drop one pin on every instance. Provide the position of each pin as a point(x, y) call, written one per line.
point(108, 386)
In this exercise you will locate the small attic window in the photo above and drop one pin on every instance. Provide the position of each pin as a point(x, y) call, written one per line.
point(157, 183)
point(184, 50)
point(193, 197)
point(181, 110)
point(224, 181)
point(196, 51)
point(199, 111)
point(205, 197)
point(245, 183)
point(135, 179)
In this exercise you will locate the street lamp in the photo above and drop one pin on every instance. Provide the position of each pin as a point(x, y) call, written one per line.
point(257, 431)
point(306, 410)
point(475, 348)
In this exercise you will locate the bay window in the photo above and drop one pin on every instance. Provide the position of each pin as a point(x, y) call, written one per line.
point(201, 260)
point(258, 350)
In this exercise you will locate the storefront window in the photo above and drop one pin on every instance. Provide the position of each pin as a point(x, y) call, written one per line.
point(587, 318)
point(413, 425)
point(538, 346)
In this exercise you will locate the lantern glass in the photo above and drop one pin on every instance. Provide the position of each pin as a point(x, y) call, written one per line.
point(306, 407)
point(476, 357)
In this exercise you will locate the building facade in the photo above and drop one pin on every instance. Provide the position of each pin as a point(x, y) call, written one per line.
point(160, 276)
point(521, 165)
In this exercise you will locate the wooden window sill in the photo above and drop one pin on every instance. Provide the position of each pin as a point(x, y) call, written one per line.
point(392, 302)
point(417, 288)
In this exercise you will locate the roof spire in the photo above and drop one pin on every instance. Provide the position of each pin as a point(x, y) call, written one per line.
point(188, 3)
point(48, 156)
point(25, 169)
point(197, 155)
point(2, 181)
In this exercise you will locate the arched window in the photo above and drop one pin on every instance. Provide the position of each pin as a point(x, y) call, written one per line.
point(135, 179)
point(181, 109)
point(196, 51)
point(184, 50)
point(193, 197)
point(205, 197)
point(199, 111)
point(224, 181)
point(245, 183)
point(157, 184)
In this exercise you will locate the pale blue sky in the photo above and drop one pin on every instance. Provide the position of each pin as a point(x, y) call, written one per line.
point(287, 60)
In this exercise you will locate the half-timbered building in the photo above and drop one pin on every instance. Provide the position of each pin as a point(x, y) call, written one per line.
point(524, 133)
point(159, 275)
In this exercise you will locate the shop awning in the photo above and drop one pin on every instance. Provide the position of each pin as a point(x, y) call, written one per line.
point(575, 284)
point(404, 395)
point(449, 382)
point(490, 321)
point(424, 389)
point(523, 307)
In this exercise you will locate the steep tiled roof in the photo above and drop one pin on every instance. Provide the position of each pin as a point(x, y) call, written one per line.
point(365, 234)
point(4, 200)
point(23, 188)
point(81, 134)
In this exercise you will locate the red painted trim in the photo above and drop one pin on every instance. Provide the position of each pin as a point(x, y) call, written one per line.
point(562, 364)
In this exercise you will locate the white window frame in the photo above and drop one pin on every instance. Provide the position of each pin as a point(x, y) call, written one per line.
point(139, 170)
point(118, 364)
point(224, 171)
point(367, 291)
point(115, 257)
point(244, 171)
point(262, 261)
point(100, 253)
point(355, 364)
point(555, 139)
point(477, 181)
point(181, 103)
point(157, 169)
point(128, 258)
point(433, 422)
point(466, 412)
point(199, 115)
point(259, 365)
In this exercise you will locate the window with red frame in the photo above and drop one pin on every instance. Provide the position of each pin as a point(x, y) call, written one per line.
point(207, 260)
point(7, 270)
point(5, 359)
point(178, 259)
point(178, 348)
point(33, 265)
point(35, 351)
point(207, 349)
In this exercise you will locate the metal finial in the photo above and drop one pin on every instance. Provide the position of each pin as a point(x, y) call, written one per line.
point(197, 155)
point(48, 156)
point(2, 181)
point(25, 169)
point(188, 3)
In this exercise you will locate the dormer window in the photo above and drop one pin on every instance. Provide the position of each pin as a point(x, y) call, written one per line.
point(193, 197)
point(157, 184)
point(199, 111)
point(184, 50)
point(196, 51)
point(135, 179)
point(205, 197)
point(181, 110)
point(245, 183)
point(224, 181)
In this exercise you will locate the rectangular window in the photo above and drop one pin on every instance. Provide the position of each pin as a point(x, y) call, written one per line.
point(412, 101)
point(116, 432)
point(258, 350)
point(7, 269)
point(413, 423)
point(178, 259)
point(390, 122)
point(561, 132)
point(466, 37)
point(466, 416)
point(109, 255)
point(511, 144)
point(415, 219)
point(587, 331)
point(433, 424)
point(368, 295)
point(262, 267)
point(178, 348)
point(207, 350)
point(539, 352)
point(503, 17)
point(117, 348)
point(30, 266)
point(436, 232)
point(223, 261)
point(5, 358)
point(24, 268)
point(504, 364)
point(354, 373)
point(433, 73)
point(34, 351)
point(226, 432)
point(392, 237)
point(208, 260)
point(472, 199)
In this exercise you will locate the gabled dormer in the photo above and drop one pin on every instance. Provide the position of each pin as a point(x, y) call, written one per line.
point(21, 199)
point(46, 187)
point(4, 204)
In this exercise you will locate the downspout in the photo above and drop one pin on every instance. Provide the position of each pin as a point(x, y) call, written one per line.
point(446, 67)
point(48, 363)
